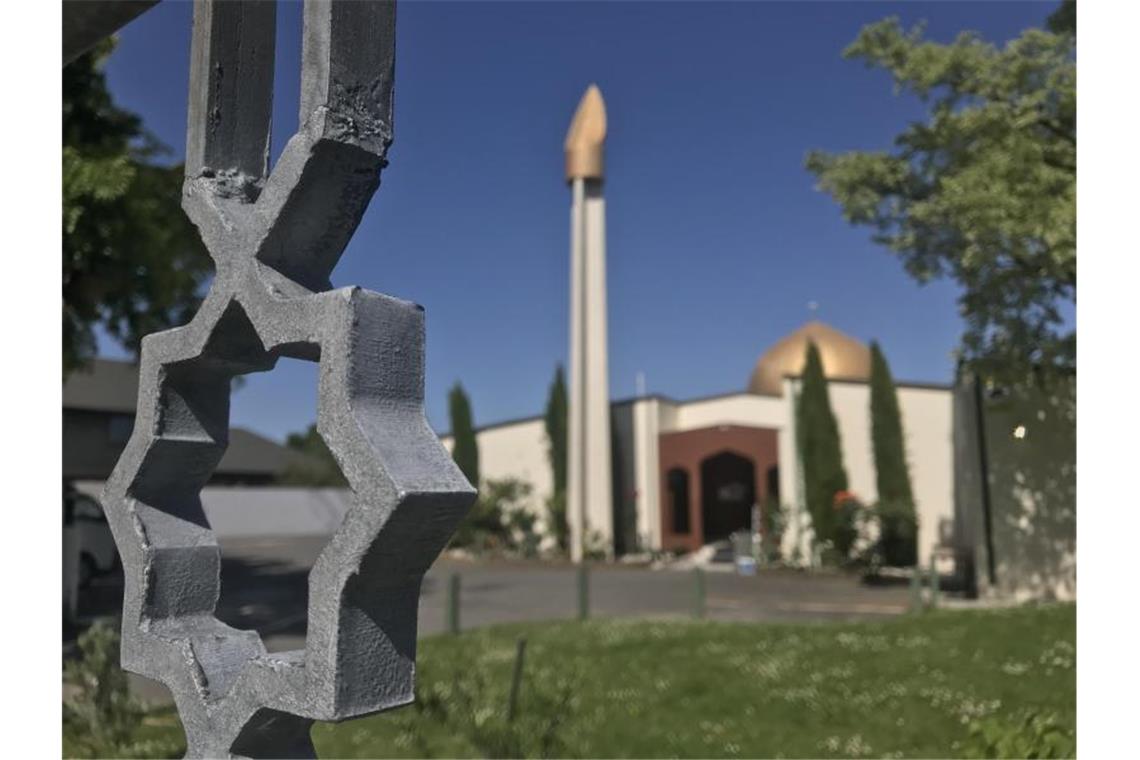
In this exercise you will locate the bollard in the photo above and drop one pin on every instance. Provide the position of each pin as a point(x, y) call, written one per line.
point(916, 590)
point(453, 604)
point(933, 584)
point(583, 592)
point(516, 680)
point(698, 593)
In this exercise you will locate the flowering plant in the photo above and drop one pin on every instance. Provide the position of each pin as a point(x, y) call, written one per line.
point(843, 499)
point(846, 530)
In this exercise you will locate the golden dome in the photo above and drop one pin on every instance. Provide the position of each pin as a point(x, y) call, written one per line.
point(844, 358)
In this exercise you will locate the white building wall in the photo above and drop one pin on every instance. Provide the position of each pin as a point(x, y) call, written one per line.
point(928, 425)
point(646, 429)
point(517, 450)
point(667, 411)
point(737, 409)
point(851, 404)
point(797, 537)
point(927, 419)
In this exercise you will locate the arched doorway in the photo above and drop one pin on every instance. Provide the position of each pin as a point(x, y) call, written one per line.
point(728, 491)
point(678, 480)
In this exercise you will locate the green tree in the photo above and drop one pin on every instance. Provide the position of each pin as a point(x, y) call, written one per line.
point(465, 449)
point(983, 190)
point(320, 468)
point(896, 513)
point(556, 439)
point(817, 434)
point(132, 261)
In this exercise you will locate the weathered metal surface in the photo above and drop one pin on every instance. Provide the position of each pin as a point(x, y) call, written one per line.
point(275, 238)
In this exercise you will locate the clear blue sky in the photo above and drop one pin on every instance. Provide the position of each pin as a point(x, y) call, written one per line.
point(716, 238)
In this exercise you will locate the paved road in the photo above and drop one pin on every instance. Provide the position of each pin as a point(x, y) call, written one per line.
point(265, 586)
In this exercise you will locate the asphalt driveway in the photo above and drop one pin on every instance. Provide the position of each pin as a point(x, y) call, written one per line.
point(265, 586)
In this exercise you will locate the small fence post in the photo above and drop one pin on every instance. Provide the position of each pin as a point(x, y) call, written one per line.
point(698, 593)
point(453, 604)
point(916, 590)
point(583, 591)
point(516, 680)
point(933, 583)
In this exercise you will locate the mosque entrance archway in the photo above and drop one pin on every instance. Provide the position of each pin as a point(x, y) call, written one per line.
point(726, 467)
point(728, 491)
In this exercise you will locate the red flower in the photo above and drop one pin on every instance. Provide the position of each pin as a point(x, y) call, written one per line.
point(843, 497)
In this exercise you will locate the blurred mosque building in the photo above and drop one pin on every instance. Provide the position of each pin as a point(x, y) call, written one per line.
point(654, 473)
point(686, 473)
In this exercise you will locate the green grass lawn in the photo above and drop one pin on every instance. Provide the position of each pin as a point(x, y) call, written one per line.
point(907, 687)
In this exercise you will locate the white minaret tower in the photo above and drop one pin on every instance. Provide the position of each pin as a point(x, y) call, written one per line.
point(589, 496)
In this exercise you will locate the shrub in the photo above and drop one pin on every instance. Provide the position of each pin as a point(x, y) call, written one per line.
point(898, 534)
point(845, 523)
point(500, 520)
point(556, 523)
point(100, 718)
point(773, 516)
point(1033, 735)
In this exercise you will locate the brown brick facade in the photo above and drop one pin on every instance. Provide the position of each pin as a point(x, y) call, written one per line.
point(711, 452)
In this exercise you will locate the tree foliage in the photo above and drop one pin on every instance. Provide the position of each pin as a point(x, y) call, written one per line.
point(132, 261)
point(984, 189)
point(897, 520)
point(320, 469)
point(556, 427)
point(817, 434)
point(465, 449)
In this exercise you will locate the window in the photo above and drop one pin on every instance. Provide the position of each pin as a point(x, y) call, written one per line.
point(119, 427)
point(678, 481)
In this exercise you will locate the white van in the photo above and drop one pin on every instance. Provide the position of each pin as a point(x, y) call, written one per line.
point(87, 537)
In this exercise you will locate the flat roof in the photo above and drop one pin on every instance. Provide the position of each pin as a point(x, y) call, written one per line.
point(711, 397)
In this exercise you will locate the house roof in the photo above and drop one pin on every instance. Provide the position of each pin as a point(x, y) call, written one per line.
point(252, 454)
point(105, 386)
point(111, 387)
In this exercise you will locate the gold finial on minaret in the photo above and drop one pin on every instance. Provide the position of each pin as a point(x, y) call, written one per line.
point(586, 138)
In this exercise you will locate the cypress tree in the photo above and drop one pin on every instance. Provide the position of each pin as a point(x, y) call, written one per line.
point(556, 423)
point(897, 521)
point(465, 450)
point(556, 429)
point(820, 452)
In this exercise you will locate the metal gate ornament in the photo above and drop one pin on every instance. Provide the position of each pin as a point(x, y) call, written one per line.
point(275, 238)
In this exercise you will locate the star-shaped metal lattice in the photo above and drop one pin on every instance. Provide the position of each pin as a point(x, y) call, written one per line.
point(275, 238)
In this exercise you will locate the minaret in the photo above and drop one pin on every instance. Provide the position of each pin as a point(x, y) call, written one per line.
point(589, 496)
